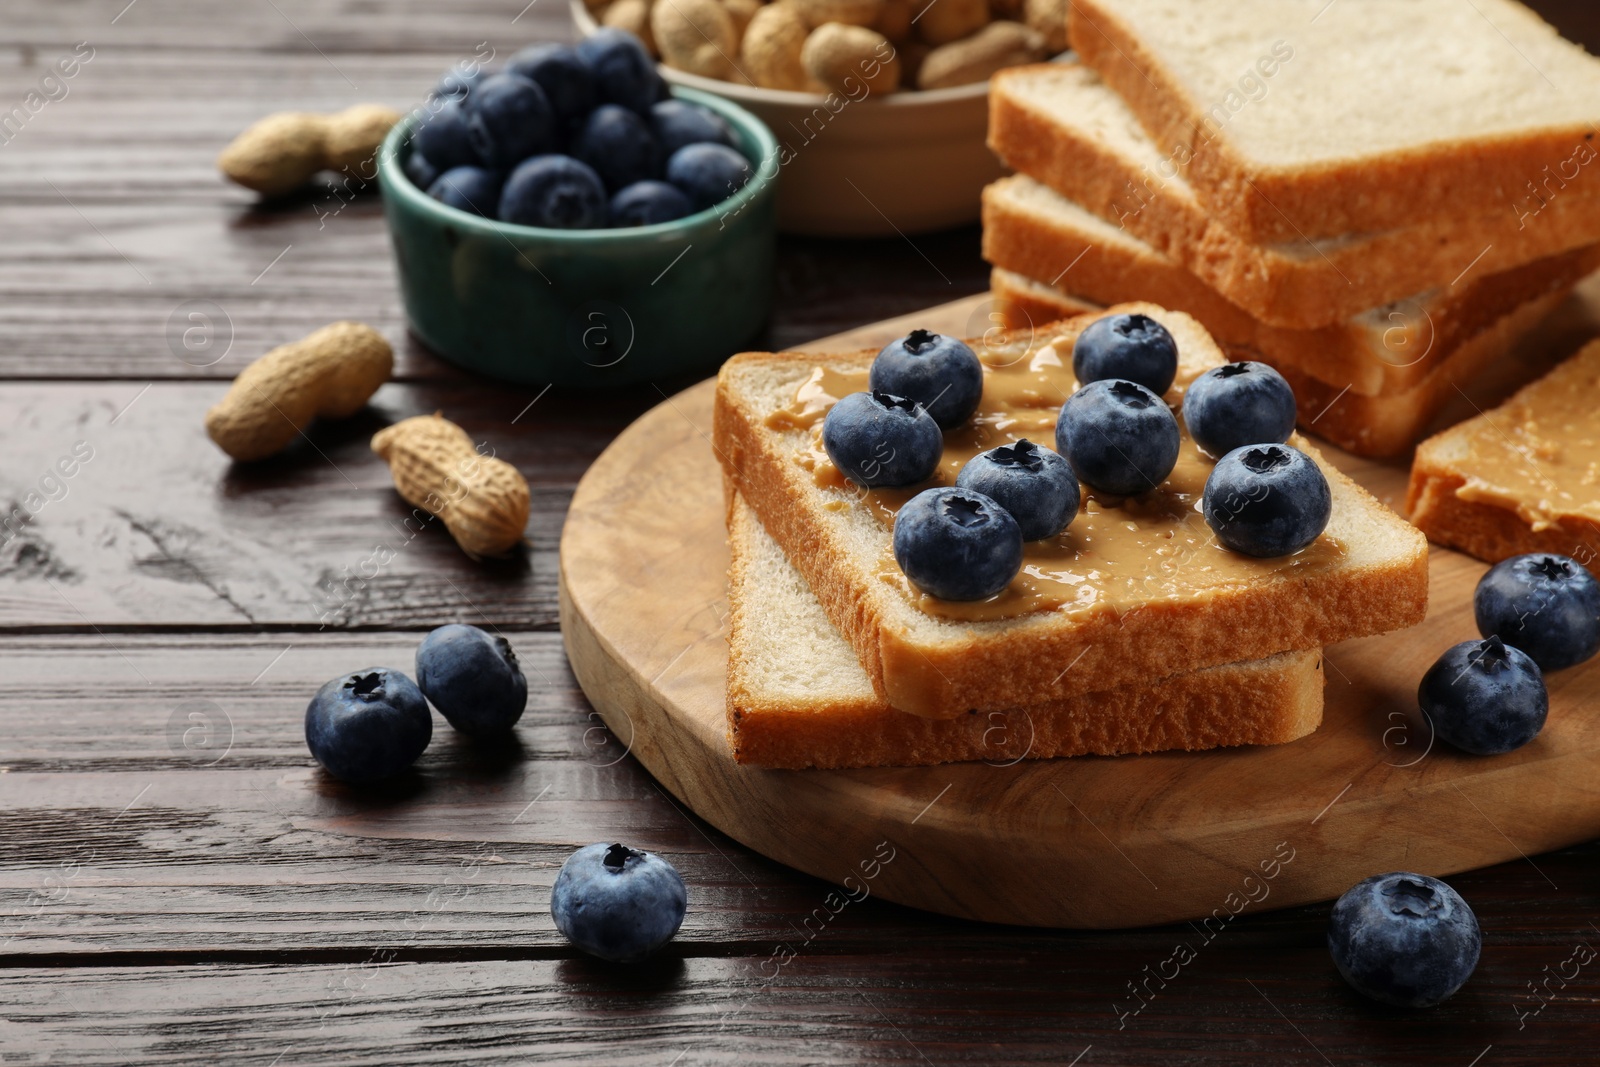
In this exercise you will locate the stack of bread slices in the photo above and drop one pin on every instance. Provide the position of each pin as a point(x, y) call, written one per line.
point(1131, 631)
point(1377, 198)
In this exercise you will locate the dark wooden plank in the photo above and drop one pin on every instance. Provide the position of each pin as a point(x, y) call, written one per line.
point(160, 528)
point(1246, 998)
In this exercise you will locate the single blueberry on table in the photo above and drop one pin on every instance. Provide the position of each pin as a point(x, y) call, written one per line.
point(1238, 404)
point(368, 726)
point(619, 146)
point(1135, 348)
point(473, 189)
point(1267, 500)
point(708, 173)
point(566, 80)
point(938, 372)
point(618, 903)
point(879, 440)
point(955, 544)
point(677, 123)
point(647, 203)
point(421, 172)
point(1404, 939)
point(1485, 697)
point(623, 71)
point(1544, 604)
point(509, 119)
point(444, 139)
point(1120, 437)
point(473, 678)
point(1034, 484)
point(558, 192)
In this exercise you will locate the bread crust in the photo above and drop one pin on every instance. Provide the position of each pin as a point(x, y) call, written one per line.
point(1262, 702)
point(941, 670)
point(1300, 292)
point(1378, 426)
point(1353, 354)
point(1483, 529)
point(1263, 204)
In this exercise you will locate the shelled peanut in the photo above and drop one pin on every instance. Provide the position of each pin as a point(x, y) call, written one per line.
point(482, 501)
point(854, 47)
point(280, 153)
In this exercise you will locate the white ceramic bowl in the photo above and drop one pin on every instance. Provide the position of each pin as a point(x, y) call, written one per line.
point(903, 163)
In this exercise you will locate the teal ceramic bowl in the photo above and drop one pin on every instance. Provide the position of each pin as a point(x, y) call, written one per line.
point(588, 308)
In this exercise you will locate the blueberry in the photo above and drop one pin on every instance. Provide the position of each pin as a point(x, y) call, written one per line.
point(1404, 939)
point(367, 726)
point(1120, 437)
point(1135, 348)
point(421, 172)
point(617, 903)
point(458, 82)
point(554, 191)
point(566, 80)
point(471, 189)
point(676, 123)
point(509, 119)
point(472, 678)
point(938, 372)
point(956, 544)
point(1034, 484)
point(647, 203)
point(1546, 605)
point(1267, 500)
point(881, 440)
point(1238, 404)
point(619, 146)
point(623, 71)
point(708, 173)
point(1485, 697)
point(443, 138)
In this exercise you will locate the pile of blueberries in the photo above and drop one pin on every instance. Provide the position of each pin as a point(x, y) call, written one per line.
point(612, 901)
point(1115, 434)
point(574, 138)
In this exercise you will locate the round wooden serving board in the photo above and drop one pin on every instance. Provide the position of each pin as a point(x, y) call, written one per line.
point(1086, 842)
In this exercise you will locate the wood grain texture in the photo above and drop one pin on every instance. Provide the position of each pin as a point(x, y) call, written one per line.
point(211, 928)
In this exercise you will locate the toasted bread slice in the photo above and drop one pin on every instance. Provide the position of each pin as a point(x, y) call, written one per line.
point(1384, 425)
point(1060, 124)
point(1032, 230)
point(1520, 478)
point(797, 696)
point(1308, 119)
point(1132, 591)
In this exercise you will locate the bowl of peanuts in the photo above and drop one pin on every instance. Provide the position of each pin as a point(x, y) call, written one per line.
point(879, 107)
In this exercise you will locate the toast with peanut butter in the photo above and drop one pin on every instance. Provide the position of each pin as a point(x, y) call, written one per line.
point(1387, 424)
point(1524, 477)
point(798, 697)
point(1135, 589)
point(1060, 124)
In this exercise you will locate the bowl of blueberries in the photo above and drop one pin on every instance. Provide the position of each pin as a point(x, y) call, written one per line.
point(567, 219)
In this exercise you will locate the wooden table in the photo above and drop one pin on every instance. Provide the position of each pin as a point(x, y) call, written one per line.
point(179, 885)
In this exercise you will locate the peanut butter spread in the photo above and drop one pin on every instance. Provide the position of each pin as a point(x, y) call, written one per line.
point(1118, 553)
point(1538, 454)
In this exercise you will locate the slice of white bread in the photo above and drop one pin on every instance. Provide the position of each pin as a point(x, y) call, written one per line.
point(1309, 119)
point(1060, 124)
point(1520, 478)
point(1384, 425)
point(1032, 230)
point(797, 696)
point(1134, 616)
